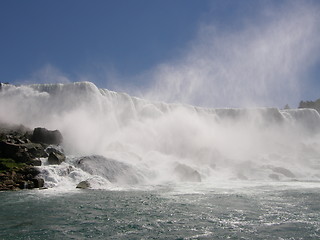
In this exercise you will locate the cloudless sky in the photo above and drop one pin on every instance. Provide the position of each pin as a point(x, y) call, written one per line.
point(122, 37)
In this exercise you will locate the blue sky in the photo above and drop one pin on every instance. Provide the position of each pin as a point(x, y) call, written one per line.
point(130, 36)
point(209, 53)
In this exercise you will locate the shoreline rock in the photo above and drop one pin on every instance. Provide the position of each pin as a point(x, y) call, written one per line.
point(84, 185)
point(20, 153)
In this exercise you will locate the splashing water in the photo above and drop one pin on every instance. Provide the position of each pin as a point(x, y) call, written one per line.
point(123, 140)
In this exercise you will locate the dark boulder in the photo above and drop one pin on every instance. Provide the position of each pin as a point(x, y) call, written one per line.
point(56, 158)
point(83, 185)
point(38, 182)
point(22, 184)
point(30, 185)
point(11, 150)
point(36, 150)
point(35, 162)
point(43, 135)
point(55, 149)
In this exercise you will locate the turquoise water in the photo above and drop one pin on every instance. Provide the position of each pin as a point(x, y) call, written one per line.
point(164, 212)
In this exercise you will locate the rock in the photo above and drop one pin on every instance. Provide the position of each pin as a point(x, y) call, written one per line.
point(110, 169)
point(186, 173)
point(30, 185)
point(22, 184)
point(36, 162)
point(55, 149)
point(38, 182)
point(36, 150)
point(9, 182)
point(21, 178)
point(10, 150)
point(24, 153)
point(283, 171)
point(274, 176)
point(83, 185)
point(3, 176)
point(56, 158)
point(43, 135)
point(18, 155)
point(29, 172)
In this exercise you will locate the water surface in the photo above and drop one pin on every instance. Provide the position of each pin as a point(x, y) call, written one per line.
point(245, 211)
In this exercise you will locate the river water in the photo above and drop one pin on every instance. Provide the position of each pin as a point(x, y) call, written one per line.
point(230, 210)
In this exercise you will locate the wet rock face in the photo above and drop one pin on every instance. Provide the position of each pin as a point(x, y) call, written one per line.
point(20, 151)
point(20, 178)
point(84, 185)
point(28, 153)
point(38, 182)
point(56, 158)
point(110, 169)
point(43, 135)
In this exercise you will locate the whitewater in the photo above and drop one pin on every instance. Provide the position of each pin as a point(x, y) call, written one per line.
point(114, 140)
point(164, 171)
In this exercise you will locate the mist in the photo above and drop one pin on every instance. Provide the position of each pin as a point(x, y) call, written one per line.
point(264, 61)
point(260, 60)
point(170, 142)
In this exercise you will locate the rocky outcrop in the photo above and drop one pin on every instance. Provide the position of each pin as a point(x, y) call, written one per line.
point(20, 178)
point(110, 169)
point(56, 158)
point(84, 185)
point(20, 153)
point(28, 153)
point(43, 135)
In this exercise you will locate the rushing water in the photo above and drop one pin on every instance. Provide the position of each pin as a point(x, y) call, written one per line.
point(234, 210)
point(164, 171)
point(113, 138)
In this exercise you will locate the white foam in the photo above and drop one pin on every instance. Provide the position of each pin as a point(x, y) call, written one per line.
point(154, 138)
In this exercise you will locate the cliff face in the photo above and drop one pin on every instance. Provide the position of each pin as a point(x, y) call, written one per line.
point(311, 104)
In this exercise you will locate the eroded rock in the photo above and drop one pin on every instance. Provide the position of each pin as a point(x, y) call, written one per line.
point(83, 185)
point(43, 135)
point(56, 158)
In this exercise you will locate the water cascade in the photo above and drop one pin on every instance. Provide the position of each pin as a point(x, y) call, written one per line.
point(113, 139)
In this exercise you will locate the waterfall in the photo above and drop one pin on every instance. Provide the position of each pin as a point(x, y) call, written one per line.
point(155, 142)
